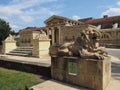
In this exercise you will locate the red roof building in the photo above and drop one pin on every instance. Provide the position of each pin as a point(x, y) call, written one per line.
point(105, 22)
point(28, 34)
point(109, 28)
point(26, 30)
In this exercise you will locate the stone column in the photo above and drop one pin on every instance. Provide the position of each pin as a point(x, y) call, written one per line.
point(9, 44)
point(52, 31)
point(59, 35)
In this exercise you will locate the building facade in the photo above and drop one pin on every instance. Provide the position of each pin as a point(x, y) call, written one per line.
point(27, 35)
point(109, 27)
point(62, 29)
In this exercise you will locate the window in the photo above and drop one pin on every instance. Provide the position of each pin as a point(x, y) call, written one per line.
point(118, 35)
point(105, 36)
point(98, 27)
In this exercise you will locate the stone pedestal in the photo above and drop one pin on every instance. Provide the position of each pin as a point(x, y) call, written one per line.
point(41, 47)
point(91, 73)
point(9, 44)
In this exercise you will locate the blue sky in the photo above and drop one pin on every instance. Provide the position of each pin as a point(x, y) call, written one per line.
point(32, 13)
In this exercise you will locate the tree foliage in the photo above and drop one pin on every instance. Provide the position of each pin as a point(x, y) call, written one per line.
point(29, 27)
point(5, 30)
point(12, 32)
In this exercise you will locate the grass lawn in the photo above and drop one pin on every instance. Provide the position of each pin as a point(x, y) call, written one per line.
point(17, 80)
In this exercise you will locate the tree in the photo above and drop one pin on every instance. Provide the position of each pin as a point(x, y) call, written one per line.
point(29, 27)
point(4, 30)
point(12, 32)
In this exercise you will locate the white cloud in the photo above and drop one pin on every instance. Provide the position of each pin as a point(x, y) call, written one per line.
point(3, 17)
point(14, 26)
point(21, 4)
point(47, 11)
point(75, 17)
point(27, 19)
point(18, 6)
point(112, 11)
point(118, 3)
point(104, 6)
point(24, 12)
point(9, 10)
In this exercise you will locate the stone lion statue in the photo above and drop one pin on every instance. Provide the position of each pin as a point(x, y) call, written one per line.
point(10, 38)
point(42, 35)
point(85, 46)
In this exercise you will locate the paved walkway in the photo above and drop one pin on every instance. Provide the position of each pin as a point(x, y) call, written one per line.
point(56, 85)
point(27, 60)
point(113, 52)
point(115, 80)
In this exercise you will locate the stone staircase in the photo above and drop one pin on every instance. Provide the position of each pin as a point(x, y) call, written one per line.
point(21, 51)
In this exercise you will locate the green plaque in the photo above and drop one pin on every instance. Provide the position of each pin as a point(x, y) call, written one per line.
point(72, 68)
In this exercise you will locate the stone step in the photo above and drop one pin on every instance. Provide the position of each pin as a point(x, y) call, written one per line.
point(24, 48)
point(19, 54)
point(26, 52)
point(21, 51)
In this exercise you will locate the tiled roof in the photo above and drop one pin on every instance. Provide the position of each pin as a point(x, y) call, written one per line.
point(31, 29)
point(105, 19)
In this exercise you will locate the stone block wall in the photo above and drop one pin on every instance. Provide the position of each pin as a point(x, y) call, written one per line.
point(41, 48)
point(25, 39)
point(94, 74)
point(8, 46)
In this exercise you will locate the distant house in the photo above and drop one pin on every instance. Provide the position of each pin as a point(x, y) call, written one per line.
point(28, 34)
point(109, 27)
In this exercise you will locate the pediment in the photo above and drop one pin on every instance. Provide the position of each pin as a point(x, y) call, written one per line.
point(59, 20)
point(55, 19)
